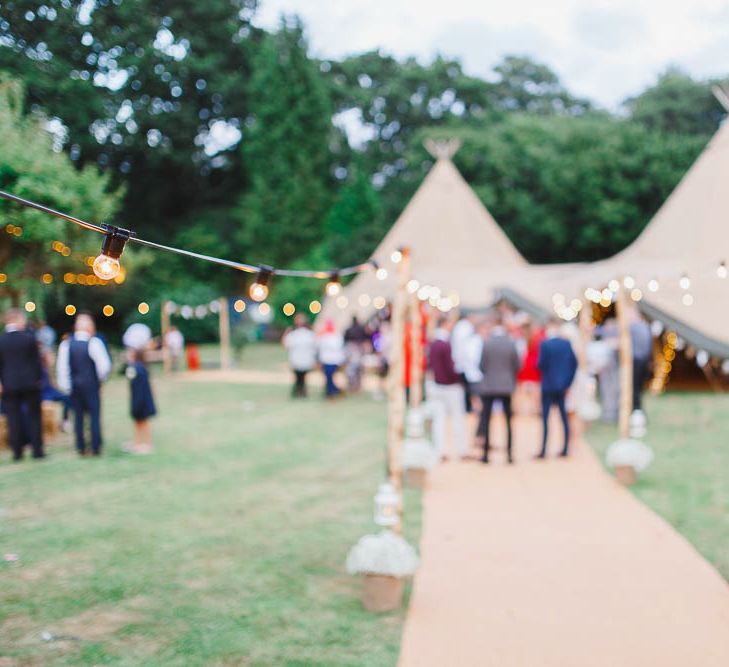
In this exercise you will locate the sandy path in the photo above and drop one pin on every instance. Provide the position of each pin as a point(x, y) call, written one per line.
point(554, 564)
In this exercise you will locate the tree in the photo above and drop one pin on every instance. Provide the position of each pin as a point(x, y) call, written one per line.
point(352, 231)
point(677, 104)
point(285, 152)
point(571, 189)
point(151, 90)
point(525, 85)
point(30, 167)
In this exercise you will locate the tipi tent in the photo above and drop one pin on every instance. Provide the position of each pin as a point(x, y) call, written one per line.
point(688, 238)
point(454, 243)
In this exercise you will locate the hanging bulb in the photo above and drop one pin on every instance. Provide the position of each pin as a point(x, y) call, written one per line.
point(721, 270)
point(106, 266)
point(258, 291)
point(334, 286)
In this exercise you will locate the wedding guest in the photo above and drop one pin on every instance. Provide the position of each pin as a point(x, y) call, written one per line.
point(641, 340)
point(21, 379)
point(499, 366)
point(529, 376)
point(175, 344)
point(356, 340)
point(446, 393)
point(558, 364)
point(300, 342)
point(83, 363)
point(604, 355)
point(142, 406)
point(331, 356)
point(463, 331)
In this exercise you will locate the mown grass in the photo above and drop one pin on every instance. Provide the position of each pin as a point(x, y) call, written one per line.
point(225, 547)
point(688, 481)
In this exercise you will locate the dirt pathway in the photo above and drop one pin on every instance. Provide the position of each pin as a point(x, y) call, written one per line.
point(554, 564)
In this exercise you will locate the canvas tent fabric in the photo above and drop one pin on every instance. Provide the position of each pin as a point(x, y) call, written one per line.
point(687, 237)
point(454, 243)
point(457, 245)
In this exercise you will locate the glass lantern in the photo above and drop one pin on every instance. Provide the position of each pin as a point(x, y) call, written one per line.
point(387, 501)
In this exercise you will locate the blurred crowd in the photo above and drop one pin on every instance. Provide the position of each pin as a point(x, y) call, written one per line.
point(499, 361)
point(37, 374)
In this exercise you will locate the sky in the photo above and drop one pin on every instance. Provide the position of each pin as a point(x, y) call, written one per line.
point(604, 50)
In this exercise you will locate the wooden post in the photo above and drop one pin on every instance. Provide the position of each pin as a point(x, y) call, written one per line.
point(164, 328)
point(584, 322)
point(395, 388)
point(625, 349)
point(224, 326)
point(416, 356)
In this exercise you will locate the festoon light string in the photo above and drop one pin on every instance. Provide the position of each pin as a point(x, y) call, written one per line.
point(107, 266)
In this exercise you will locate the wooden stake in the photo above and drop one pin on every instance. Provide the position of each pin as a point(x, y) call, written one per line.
point(224, 327)
point(396, 390)
point(164, 328)
point(625, 350)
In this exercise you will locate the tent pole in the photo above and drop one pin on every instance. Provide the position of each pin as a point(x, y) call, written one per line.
point(416, 356)
point(585, 328)
point(224, 328)
point(396, 390)
point(626, 362)
point(164, 328)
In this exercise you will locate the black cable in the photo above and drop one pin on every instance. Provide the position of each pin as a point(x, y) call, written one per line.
point(240, 266)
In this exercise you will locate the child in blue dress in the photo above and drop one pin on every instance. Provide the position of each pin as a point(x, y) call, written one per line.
point(142, 406)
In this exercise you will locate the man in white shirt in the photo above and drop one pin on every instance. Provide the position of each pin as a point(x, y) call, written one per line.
point(83, 364)
point(175, 343)
point(302, 347)
point(463, 332)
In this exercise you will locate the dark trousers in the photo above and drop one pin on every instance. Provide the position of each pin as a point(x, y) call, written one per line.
point(466, 393)
point(550, 398)
point(641, 369)
point(331, 388)
point(23, 427)
point(86, 400)
point(488, 404)
point(299, 388)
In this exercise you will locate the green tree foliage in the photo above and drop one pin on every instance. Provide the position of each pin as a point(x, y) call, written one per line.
point(286, 152)
point(677, 104)
point(351, 228)
point(395, 100)
point(571, 189)
point(31, 167)
point(525, 85)
point(149, 89)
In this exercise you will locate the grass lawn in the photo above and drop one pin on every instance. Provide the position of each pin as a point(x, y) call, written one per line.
point(688, 481)
point(224, 547)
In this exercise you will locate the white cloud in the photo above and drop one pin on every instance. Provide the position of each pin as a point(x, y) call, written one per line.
point(604, 49)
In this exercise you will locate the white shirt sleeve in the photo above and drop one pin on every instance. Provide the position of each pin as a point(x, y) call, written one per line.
point(63, 368)
point(100, 357)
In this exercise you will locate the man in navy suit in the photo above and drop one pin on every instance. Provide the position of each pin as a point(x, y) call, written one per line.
point(20, 375)
point(82, 365)
point(558, 364)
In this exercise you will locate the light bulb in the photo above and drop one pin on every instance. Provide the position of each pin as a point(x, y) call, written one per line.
point(333, 287)
point(106, 268)
point(258, 291)
point(722, 271)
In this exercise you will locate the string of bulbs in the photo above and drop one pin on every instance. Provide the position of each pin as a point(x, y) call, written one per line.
point(107, 266)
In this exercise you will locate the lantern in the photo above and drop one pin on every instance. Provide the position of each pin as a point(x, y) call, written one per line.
point(387, 501)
